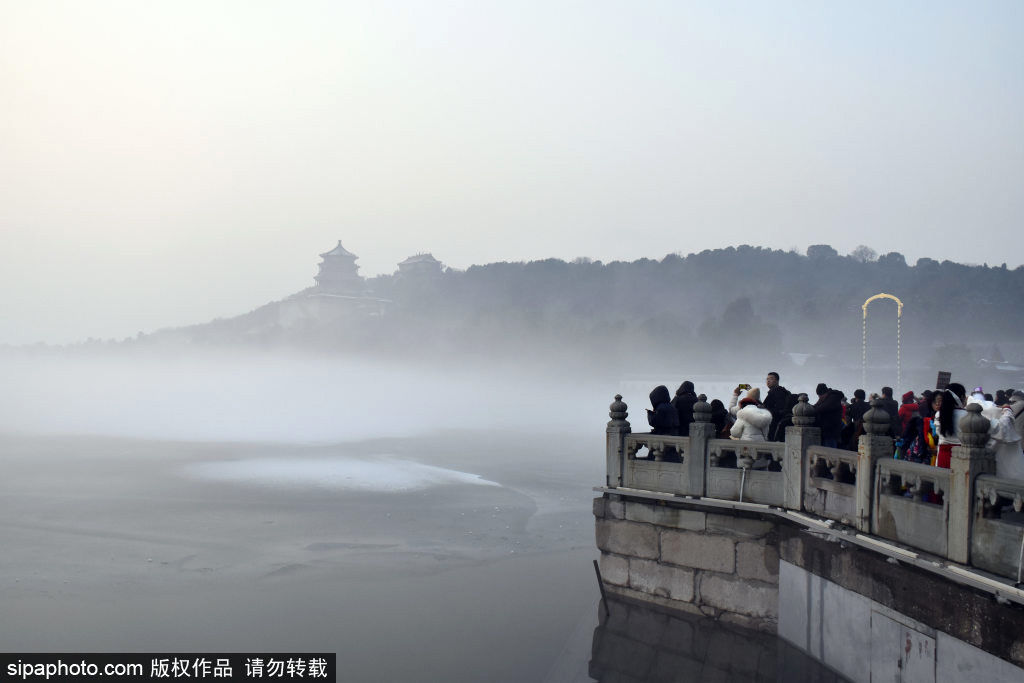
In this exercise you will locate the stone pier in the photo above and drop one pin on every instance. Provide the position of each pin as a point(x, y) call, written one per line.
point(880, 569)
point(724, 566)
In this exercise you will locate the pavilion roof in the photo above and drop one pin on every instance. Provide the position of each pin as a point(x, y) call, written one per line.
point(420, 258)
point(339, 251)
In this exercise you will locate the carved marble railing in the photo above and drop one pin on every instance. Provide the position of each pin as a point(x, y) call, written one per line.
point(997, 536)
point(750, 471)
point(661, 467)
point(911, 505)
point(963, 514)
point(831, 488)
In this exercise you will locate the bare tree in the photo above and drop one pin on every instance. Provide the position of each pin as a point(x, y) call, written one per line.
point(864, 254)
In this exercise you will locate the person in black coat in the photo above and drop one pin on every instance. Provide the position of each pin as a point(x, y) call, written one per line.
point(683, 403)
point(775, 403)
point(720, 418)
point(890, 406)
point(829, 415)
point(663, 419)
point(787, 418)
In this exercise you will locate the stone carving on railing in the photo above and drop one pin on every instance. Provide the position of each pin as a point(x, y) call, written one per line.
point(919, 482)
point(831, 489)
point(617, 429)
point(659, 446)
point(998, 495)
point(911, 504)
point(746, 470)
point(702, 411)
point(968, 461)
point(730, 453)
point(664, 467)
point(617, 411)
point(803, 412)
point(837, 465)
point(997, 536)
point(877, 422)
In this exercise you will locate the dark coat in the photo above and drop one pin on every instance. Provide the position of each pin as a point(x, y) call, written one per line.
point(829, 414)
point(890, 406)
point(857, 409)
point(683, 403)
point(775, 402)
point(663, 419)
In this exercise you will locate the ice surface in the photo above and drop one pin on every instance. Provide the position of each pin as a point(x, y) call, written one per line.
point(384, 475)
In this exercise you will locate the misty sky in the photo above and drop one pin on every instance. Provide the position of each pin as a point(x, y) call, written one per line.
point(165, 163)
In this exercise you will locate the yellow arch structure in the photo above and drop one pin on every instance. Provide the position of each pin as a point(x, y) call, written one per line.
point(876, 297)
point(864, 338)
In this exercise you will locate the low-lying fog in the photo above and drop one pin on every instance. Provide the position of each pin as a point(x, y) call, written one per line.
point(284, 398)
point(281, 397)
point(424, 523)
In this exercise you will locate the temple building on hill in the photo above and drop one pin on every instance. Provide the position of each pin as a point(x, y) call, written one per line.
point(339, 273)
point(419, 265)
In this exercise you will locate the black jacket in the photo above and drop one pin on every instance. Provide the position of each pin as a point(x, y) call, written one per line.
point(890, 406)
point(683, 403)
point(775, 402)
point(663, 419)
point(829, 414)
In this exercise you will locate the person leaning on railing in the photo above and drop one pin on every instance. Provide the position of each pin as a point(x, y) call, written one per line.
point(663, 419)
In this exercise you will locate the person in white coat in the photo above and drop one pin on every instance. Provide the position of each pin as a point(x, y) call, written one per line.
point(1003, 439)
point(752, 421)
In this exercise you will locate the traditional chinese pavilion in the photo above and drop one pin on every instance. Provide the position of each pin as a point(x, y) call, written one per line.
point(338, 272)
point(419, 265)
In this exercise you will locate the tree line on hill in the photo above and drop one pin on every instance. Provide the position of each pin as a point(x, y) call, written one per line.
point(717, 306)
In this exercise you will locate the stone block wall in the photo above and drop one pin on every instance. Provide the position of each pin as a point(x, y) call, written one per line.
point(714, 564)
point(639, 643)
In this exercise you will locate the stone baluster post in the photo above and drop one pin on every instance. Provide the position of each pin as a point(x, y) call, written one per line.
point(873, 444)
point(968, 461)
point(618, 428)
point(802, 434)
point(695, 462)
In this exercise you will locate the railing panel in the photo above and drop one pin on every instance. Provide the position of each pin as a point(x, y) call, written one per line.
point(910, 504)
point(661, 469)
point(746, 470)
point(997, 534)
point(831, 488)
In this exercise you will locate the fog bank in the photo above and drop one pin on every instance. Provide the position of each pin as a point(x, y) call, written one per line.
point(284, 398)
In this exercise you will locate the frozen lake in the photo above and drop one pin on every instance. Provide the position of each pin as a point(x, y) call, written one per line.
point(213, 507)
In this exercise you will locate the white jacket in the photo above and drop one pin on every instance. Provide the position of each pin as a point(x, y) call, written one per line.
point(751, 424)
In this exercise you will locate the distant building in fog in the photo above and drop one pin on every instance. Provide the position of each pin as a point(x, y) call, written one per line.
point(419, 265)
point(339, 273)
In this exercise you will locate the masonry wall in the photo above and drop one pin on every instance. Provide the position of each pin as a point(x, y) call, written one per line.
point(839, 602)
point(640, 643)
point(719, 565)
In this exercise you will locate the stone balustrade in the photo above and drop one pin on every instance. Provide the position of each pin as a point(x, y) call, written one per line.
point(996, 543)
point(911, 505)
point(964, 514)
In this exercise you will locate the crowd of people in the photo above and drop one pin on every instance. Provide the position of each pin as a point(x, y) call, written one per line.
point(925, 427)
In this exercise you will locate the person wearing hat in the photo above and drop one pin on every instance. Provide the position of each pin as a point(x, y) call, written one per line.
point(753, 394)
point(908, 411)
point(752, 421)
